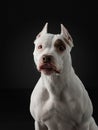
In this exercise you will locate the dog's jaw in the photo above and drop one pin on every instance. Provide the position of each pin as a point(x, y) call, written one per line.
point(48, 69)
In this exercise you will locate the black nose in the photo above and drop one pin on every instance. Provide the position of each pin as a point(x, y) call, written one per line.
point(47, 58)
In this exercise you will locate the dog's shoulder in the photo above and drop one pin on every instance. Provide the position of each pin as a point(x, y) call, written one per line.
point(38, 91)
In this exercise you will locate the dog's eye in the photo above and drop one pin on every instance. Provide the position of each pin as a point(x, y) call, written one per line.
point(40, 47)
point(59, 45)
point(61, 48)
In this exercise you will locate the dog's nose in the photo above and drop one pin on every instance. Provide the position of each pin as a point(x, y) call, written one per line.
point(47, 58)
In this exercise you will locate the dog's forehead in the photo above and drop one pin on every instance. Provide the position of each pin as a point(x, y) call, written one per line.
point(48, 38)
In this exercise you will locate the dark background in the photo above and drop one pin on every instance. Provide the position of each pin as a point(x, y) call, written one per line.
point(21, 22)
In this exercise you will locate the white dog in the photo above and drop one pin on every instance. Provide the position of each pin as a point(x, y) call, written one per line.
point(59, 100)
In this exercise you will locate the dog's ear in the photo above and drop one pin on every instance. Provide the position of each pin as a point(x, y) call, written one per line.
point(44, 31)
point(67, 37)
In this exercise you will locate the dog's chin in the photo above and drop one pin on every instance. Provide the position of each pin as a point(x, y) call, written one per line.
point(48, 69)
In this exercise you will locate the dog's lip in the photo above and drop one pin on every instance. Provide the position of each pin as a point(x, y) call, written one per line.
point(48, 67)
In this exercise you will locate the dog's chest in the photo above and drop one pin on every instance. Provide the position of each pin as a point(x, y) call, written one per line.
point(47, 105)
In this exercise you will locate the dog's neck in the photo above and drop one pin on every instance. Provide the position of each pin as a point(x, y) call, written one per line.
point(56, 82)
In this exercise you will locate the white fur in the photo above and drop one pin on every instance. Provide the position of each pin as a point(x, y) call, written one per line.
point(59, 101)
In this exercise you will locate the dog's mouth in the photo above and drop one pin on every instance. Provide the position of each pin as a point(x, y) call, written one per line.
point(48, 68)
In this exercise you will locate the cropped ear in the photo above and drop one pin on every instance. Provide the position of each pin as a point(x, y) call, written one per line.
point(67, 37)
point(44, 31)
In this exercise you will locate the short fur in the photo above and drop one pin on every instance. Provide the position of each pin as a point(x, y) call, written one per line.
point(59, 100)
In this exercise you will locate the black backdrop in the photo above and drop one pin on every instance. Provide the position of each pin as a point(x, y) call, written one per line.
point(22, 21)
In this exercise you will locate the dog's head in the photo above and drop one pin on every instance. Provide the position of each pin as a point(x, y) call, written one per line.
point(52, 51)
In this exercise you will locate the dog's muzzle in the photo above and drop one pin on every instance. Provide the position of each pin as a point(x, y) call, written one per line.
point(47, 65)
